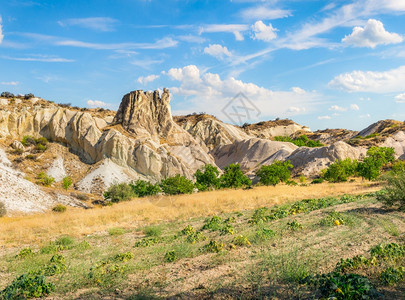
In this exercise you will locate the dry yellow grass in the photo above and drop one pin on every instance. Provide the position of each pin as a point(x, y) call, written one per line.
point(77, 222)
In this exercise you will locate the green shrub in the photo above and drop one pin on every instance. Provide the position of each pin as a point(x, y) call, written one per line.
point(170, 256)
point(207, 178)
point(66, 182)
point(291, 182)
point(294, 225)
point(56, 266)
point(333, 219)
point(24, 253)
point(274, 173)
point(28, 140)
point(233, 177)
point(44, 179)
point(342, 286)
point(340, 170)
point(124, 256)
point(142, 188)
point(398, 167)
point(317, 181)
point(103, 272)
point(177, 185)
point(227, 229)
point(41, 141)
point(213, 224)
point(195, 237)
point(241, 240)
point(119, 192)
point(153, 231)
point(214, 247)
point(147, 242)
point(392, 276)
point(188, 230)
point(394, 193)
point(388, 251)
point(3, 210)
point(59, 208)
point(27, 286)
point(301, 141)
point(351, 264)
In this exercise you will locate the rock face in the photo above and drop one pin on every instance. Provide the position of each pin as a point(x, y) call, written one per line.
point(310, 161)
point(270, 129)
point(397, 141)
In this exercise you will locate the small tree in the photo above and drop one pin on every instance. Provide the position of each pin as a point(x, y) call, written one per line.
point(233, 177)
point(66, 182)
point(370, 168)
point(177, 185)
point(119, 192)
point(207, 179)
point(275, 173)
point(340, 170)
point(143, 188)
point(383, 154)
point(394, 194)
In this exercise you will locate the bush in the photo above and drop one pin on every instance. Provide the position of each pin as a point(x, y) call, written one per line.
point(196, 237)
point(59, 208)
point(340, 170)
point(146, 242)
point(398, 167)
point(66, 182)
point(294, 225)
point(241, 241)
point(370, 168)
point(44, 179)
point(188, 230)
point(123, 257)
point(119, 192)
point(170, 256)
point(24, 253)
point(233, 177)
point(207, 178)
point(394, 194)
point(383, 154)
point(301, 141)
point(213, 224)
point(275, 173)
point(3, 210)
point(392, 276)
point(177, 185)
point(28, 286)
point(142, 188)
point(317, 181)
point(214, 246)
point(7, 95)
point(342, 286)
point(28, 140)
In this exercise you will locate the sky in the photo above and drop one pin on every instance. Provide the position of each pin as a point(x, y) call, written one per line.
point(323, 64)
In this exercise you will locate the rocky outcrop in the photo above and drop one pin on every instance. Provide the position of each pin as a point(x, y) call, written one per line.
point(210, 130)
point(310, 161)
point(270, 129)
point(328, 136)
point(251, 153)
point(396, 141)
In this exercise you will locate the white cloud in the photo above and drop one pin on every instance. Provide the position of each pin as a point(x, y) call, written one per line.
point(39, 58)
point(145, 80)
point(324, 118)
point(354, 107)
point(264, 13)
point(337, 108)
point(1, 30)
point(263, 32)
point(371, 35)
point(210, 93)
point(217, 51)
point(400, 98)
point(298, 90)
point(236, 29)
point(10, 83)
point(99, 24)
point(97, 103)
point(369, 81)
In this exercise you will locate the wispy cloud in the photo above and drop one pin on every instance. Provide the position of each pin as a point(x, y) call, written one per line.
point(145, 80)
point(14, 83)
point(146, 63)
point(98, 24)
point(236, 29)
point(97, 103)
point(264, 13)
point(40, 58)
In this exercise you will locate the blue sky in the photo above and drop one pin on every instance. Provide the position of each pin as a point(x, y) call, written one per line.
point(324, 64)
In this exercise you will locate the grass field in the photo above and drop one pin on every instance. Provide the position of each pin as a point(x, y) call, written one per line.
point(177, 249)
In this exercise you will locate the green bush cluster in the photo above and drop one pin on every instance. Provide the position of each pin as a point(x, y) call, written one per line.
point(274, 173)
point(214, 247)
point(394, 192)
point(147, 242)
point(44, 179)
point(301, 141)
point(142, 188)
point(264, 214)
point(233, 177)
point(123, 257)
point(66, 182)
point(39, 143)
point(195, 237)
point(170, 256)
point(24, 253)
point(177, 185)
point(340, 170)
point(207, 178)
point(294, 225)
point(241, 240)
point(59, 208)
point(27, 286)
point(392, 276)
